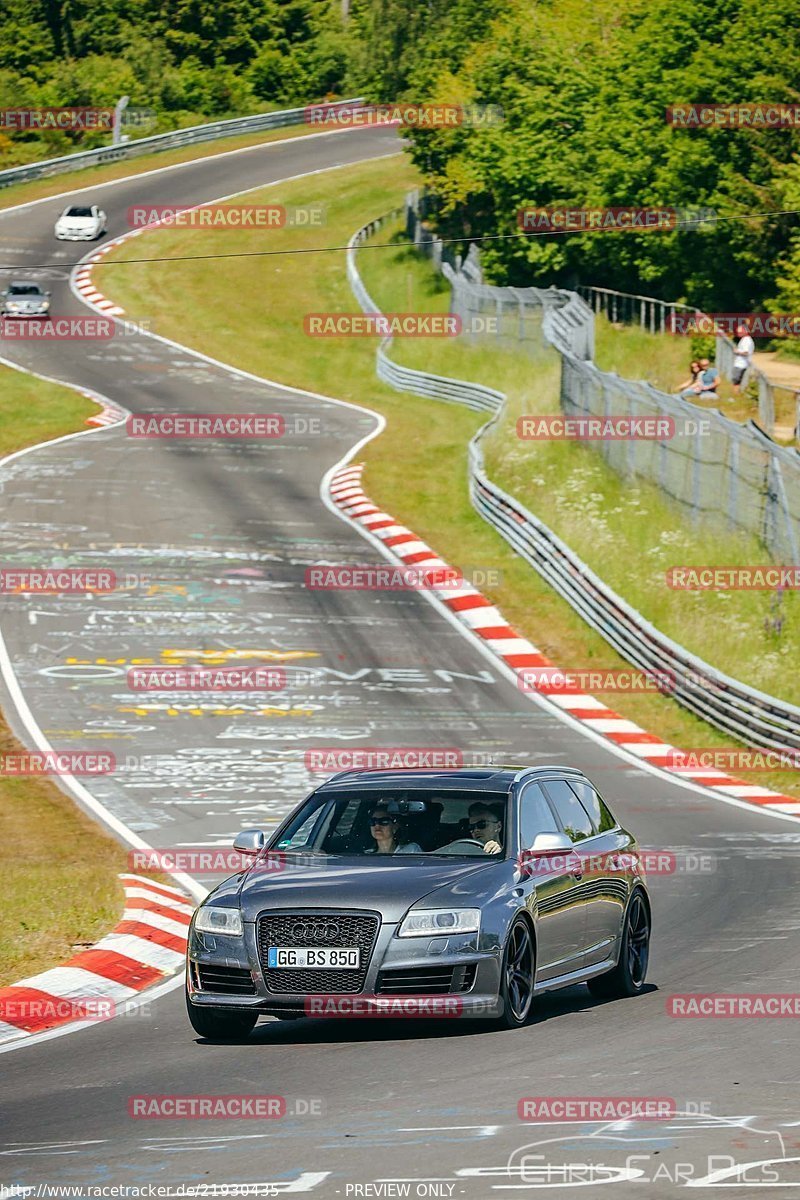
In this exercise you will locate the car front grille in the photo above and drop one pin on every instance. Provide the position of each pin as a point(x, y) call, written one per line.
point(345, 929)
point(226, 981)
point(426, 981)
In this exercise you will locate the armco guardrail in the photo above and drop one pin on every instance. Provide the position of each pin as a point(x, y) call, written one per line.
point(437, 387)
point(161, 141)
point(743, 712)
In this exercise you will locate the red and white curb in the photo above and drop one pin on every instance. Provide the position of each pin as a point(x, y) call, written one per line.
point(486, 621)
point(82, 278)
point(82, 274)
point(147, 946)
point(110, 414)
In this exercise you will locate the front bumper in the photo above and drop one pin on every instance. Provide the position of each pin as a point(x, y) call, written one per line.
point(82, 235)
point(391, 954)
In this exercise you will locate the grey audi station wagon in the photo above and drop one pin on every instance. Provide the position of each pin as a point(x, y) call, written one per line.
point(470, 890)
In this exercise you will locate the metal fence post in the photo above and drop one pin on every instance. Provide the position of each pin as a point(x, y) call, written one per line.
point(733, 485)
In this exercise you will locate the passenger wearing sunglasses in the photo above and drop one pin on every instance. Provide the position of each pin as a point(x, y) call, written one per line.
point(486, 827)
point(387, 833)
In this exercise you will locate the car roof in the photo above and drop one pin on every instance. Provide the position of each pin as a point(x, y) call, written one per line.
point(478, 779)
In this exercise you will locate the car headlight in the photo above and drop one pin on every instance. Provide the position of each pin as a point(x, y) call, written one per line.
point(12, 307)
point(211, 918)
point(428, 922)
point(45, 304)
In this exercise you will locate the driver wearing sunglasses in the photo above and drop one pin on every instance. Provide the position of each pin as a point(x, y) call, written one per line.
point(485, 826)
point(388, 834)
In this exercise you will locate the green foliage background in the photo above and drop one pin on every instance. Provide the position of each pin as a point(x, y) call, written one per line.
point(188, 60)
point(584, 86)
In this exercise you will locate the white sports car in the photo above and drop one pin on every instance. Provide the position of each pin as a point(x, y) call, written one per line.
point(81, 223)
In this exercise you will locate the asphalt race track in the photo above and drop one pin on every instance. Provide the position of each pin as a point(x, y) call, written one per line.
point(214, 538)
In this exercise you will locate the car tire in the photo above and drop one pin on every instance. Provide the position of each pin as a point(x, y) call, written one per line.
point(517, 974)
point(219, 1024)
point(628, 976)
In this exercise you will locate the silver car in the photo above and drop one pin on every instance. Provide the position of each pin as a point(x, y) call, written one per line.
point(473, 889)
point(25, 300)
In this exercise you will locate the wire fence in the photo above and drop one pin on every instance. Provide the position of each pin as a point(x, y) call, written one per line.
point(745, 712)
point(715, 468)
point(655, 316)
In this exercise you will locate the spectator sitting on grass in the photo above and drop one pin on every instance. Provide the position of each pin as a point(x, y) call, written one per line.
point(694, 371)
point(705, 386)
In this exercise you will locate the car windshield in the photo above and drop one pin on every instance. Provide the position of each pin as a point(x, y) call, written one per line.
point(24, 289)
point(365, 823)
point(77, 211)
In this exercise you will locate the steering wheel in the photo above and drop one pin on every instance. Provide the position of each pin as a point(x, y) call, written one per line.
point(465, 841)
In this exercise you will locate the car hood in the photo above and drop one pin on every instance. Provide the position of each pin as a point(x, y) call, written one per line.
point(77, 222)
point(26, 302)
point(389, 887)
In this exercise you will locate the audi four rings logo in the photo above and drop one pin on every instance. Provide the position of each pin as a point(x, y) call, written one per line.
point(314, 931)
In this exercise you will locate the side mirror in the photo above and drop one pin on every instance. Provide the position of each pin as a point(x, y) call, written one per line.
point(545, 854)
point(249, 841)
point(552, 843)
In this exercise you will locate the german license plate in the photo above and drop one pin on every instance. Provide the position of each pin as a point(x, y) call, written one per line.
point(321, 958)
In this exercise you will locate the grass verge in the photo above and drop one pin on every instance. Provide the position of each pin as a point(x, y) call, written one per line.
point(59, 869)
point(32, 410)
point(416, 469)
point(59, 875)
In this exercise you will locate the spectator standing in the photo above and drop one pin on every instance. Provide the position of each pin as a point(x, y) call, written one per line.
point(742, 356)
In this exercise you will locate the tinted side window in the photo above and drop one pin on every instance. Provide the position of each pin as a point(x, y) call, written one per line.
point(597, 810)
point(571, 813)
point(535, 815)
